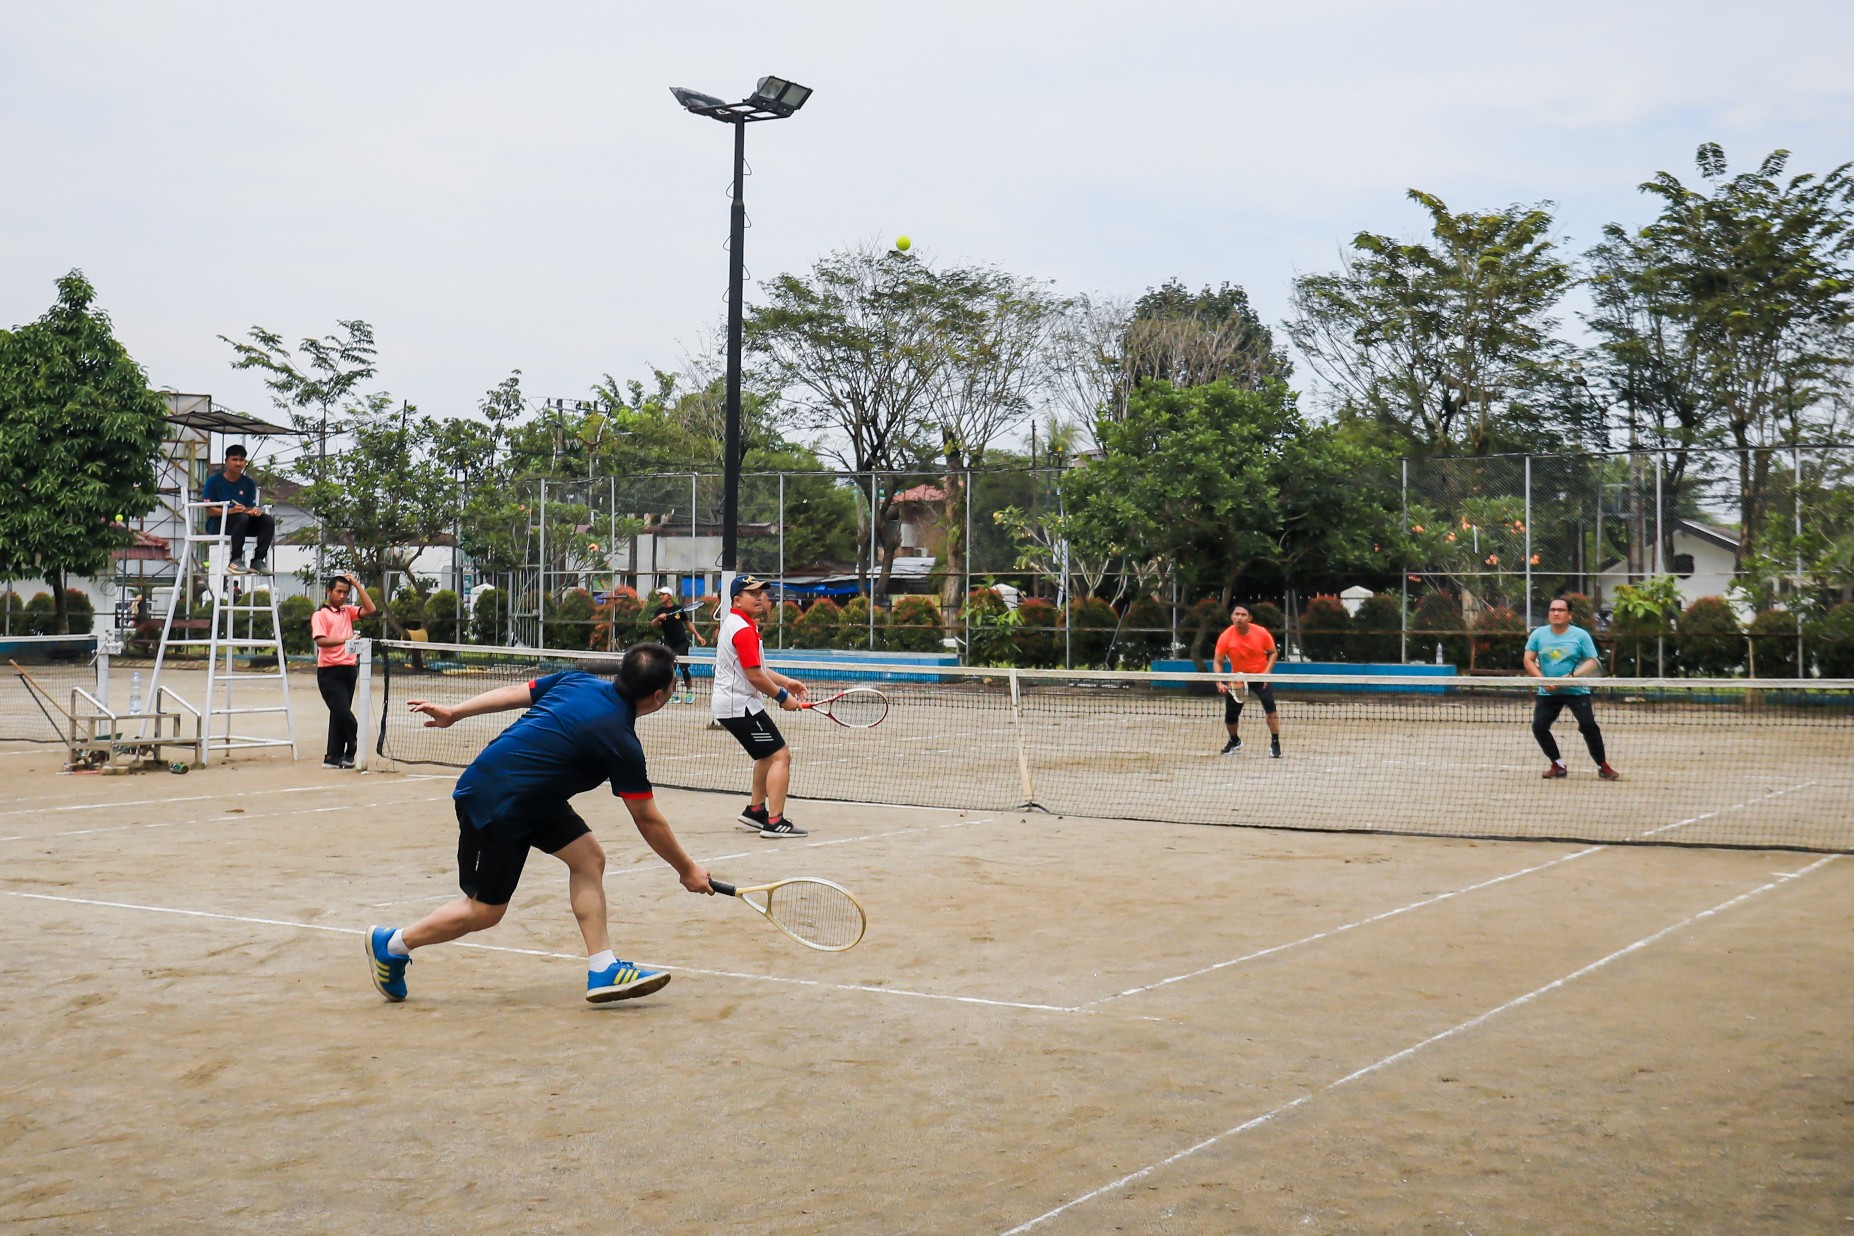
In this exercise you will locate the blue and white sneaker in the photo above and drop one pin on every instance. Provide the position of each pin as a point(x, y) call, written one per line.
point(623, 981)
point(388, 971)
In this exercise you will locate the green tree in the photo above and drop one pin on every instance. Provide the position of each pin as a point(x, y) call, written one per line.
point(1325, 629)
point(1499, 639)
point(1448, 344)
point(1193, 338)
point(1437, 621)
point(1712, 642)
point(1772, 637)
point(1377, 629)
point(80, 434)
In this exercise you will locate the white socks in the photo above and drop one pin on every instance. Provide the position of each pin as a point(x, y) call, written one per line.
point(599, 961)
point(396, 947)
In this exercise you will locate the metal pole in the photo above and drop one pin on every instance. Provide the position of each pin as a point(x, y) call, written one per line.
point(737, 243)
point(611, 596)
point(965, 562)
point(1660, 531)
point(540, 602)
point(1403, 615)
point(1528, 542)
point(1796, 468)
point(1068, 602)
point(875, 484)
point(781, 619)
point(694, 548)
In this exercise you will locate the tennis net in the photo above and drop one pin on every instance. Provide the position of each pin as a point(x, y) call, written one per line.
point(56, 663)
point(1713, 762)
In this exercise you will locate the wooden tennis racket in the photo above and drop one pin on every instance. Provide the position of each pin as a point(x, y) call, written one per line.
point(859, 708)
point(816, 913)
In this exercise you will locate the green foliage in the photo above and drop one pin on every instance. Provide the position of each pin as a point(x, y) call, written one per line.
point(1325, 629)
point(567, 622)
point(489, 616)
point(294, 613)
point(1499, 639)
point(1268, 616)
point(1189, 339)
point(1145, 634)
point(1208, 480)
point(622, 620)
point(1199, 626)
point(1441, 344)
point(1437, 620)
point(1091, 627)
point(41, 614)
point(80, 435)
point(781, 630)
point(915, 625)
point(1583, 613)
point(1832, 636)
point(992, 626)
point(1376, 630)
point(817, 627)
point(1772, 640)
point(1037, 641)
point(408, 608)
point(441, 616)
point(853, 628)
point(1712, 643)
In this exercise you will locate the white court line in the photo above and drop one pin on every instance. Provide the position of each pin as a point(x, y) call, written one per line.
point(151, 802)
point(226, 818)
point(1694, 819)
point(1406, 1053)
point(1333, 931)
point(534, 952)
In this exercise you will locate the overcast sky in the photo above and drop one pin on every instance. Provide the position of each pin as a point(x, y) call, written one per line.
point(498, 186)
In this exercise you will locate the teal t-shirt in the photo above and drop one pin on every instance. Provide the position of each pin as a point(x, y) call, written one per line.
point(1560, 654)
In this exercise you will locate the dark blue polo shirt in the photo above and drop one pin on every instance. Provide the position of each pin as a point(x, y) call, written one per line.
point(218, 489)
point(578, 733)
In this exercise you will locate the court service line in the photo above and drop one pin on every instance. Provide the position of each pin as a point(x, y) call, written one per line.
point(535, 952)
point(1695, 819)
point(1397, 1056)
point(224, 818)
point(150, 802)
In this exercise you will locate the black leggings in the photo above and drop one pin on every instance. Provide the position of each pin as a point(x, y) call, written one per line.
point(336, 682)
point(1546, 710)
point(688, 683)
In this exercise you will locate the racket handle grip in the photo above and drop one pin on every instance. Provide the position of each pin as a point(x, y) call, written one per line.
point(720, 886)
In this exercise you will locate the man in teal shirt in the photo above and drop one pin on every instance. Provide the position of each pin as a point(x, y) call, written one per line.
point(1560, 650)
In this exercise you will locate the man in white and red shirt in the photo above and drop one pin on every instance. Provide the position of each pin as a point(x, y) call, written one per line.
point(741, 679)
point(337, 668)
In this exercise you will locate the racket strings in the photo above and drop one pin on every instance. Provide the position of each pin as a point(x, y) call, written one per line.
point(859, 708)
point(827, 917)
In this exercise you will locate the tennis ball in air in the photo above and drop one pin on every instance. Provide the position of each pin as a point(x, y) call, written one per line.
point(119, 517)
point(903, 243)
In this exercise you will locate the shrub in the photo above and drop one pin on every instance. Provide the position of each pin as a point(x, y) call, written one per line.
point(408, 608)
point(620, 621)
point(706, 616)
point(1583, 613)
point(817, 626)
point(1037, 641)
point(489, 616)
point(1833, 638)
point(1712, 642)
point(1437, 620)
point(853, 627)
point(1199, 627)
point(991, 623)
point(14, 620)
point(80, 613)
point(41, 615)
point(294, 614)
point(914, 625)
point(1377, 628)
point(1326, 629)
point(1633, 638)
point(1145, 633)
point(1091, 629)
point(441, 617)
point(779, 630)
point(1499, 639)
point(1771, 640)
point(1268, 616)
point(568, 620)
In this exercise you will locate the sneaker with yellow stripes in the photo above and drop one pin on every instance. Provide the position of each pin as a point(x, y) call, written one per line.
point(388, 971)
point(623, 981)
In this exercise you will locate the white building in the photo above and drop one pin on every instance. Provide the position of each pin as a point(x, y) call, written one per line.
point(1702, 558)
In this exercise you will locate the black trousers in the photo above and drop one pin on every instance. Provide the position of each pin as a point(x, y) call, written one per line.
point(688, 683)
point(263, 527)
point(1546, 710)
point(336, 682)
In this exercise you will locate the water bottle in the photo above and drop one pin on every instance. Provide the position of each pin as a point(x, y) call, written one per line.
point(135, 692)
point(1438, 652)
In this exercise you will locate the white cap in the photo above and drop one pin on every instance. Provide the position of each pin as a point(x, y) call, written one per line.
point(667, 592)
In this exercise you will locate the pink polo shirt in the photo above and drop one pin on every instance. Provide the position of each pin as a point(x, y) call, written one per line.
point(338, 623)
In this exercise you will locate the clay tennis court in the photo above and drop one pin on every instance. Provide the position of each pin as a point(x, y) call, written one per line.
point(1054, 1024)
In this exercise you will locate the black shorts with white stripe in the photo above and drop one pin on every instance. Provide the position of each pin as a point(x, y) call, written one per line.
point(755, 733)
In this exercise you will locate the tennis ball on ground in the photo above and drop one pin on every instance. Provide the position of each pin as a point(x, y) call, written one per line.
point(903, 243)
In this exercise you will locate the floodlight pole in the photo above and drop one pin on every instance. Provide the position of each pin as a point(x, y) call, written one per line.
point(736, 282)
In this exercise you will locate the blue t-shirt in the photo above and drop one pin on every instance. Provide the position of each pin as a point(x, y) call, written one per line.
point(218, 489)
point(1560, 654)
point(577, 733)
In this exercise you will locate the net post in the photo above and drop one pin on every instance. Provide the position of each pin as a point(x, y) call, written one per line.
point(363, 700)
point(1017, 728)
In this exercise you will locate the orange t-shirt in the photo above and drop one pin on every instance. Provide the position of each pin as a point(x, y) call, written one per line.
point(1248, 654)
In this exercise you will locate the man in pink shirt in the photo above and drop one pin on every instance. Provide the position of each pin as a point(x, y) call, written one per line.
point(337, 668)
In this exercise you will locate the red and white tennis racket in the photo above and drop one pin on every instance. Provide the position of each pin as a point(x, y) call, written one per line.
point(859, 708)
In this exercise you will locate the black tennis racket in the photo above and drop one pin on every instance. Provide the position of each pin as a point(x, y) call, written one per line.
point(859, 708)
point(816, 913)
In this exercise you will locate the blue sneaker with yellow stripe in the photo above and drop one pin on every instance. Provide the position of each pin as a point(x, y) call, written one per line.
point(388, 971)
point(623, 981)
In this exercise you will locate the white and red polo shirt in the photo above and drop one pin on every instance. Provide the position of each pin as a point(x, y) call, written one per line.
point(737, 650)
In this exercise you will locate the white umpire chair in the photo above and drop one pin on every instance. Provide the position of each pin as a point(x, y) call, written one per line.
point(225, 640)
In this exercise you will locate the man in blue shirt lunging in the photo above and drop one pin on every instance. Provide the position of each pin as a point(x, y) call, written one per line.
point(1560, 650)
point(579, 732)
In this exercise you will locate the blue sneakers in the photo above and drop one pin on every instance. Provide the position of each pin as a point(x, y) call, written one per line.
point(388, 971)
point(620, 981)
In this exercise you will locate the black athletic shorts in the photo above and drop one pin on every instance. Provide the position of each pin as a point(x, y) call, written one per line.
point(489, 860)
point(1232, 703)
point(756, 734)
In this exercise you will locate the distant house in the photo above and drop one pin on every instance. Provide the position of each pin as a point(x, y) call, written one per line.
point(922, 513)
point(1702, 557)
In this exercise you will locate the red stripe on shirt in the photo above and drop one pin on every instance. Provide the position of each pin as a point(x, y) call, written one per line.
point(645, 794)
point(747, 645)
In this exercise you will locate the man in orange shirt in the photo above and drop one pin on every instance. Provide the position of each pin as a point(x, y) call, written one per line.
point(1246, 649)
